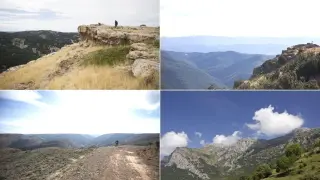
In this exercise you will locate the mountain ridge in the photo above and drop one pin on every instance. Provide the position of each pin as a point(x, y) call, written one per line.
point(224, 162)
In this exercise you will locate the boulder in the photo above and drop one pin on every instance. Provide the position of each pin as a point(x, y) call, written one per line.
point(144, 67)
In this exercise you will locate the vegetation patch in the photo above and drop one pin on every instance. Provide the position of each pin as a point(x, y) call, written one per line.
point(107, 56)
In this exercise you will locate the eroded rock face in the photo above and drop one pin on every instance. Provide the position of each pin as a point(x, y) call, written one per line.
point(110, 35)
point(286, 56)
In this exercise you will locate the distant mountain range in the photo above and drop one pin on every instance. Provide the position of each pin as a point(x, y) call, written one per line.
point(222, 162)
point(248, 45)
point(17, 48)
point(35, 141)
point(195, 70)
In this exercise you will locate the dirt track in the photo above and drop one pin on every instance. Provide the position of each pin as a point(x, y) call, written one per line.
point(107, 163)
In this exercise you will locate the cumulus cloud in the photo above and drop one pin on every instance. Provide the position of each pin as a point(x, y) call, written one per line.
point(272, 123)
point(198, 134)
point(171, 140)
point(227, 140)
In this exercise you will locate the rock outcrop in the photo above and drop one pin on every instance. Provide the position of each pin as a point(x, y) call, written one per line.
point(286, 56)
point(109, 35)
point(297, 67)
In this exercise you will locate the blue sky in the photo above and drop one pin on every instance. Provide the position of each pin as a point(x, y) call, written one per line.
point(262, 18)
point(83, 112)
point(218, 115)
point(66, 16)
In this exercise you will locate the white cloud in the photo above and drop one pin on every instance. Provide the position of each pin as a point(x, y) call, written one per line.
point(227, 140)
point(90, 112)
point(199, 134)
point(68, 15)
point(26, 96)
point(273, 123)
point(202, 142)
point(171, 140)
point(269, 18)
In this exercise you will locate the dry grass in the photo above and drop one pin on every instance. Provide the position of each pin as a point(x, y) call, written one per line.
point(48, 73)
point(99, 77)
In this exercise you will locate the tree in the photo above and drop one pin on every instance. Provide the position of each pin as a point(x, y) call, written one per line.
point(283, 163)
point(293, 151)
point(262, 171)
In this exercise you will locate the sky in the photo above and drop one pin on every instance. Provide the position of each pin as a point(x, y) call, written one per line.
point(249, 18)
point(67, 15)
point(79, 112)
point(196, 118)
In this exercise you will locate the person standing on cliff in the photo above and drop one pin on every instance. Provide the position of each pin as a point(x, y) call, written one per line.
point(115, 23)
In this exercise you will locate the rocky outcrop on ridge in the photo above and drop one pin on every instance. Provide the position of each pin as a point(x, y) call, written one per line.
point(297, 67)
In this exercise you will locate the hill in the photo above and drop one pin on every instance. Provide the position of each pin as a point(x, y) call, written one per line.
point(194, 70)
point(297, 67)
point(36, 141)
point(105, 58)
point(221, 162)
point(21, 47)
point(180, 74)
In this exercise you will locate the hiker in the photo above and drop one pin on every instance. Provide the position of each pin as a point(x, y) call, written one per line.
point(116, 143)
point(115, 23)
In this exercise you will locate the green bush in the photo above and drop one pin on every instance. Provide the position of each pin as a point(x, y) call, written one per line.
point(283, 163)
point(262, 171)
point(293, 151)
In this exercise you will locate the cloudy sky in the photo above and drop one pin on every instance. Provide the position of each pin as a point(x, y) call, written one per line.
point(67, 15)
point(194, 119)
point(85, 112)
point(263, 18)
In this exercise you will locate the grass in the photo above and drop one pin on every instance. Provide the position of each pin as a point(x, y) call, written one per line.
point(102, 68)
point(306, 168)
point(101, 77)
point(107, 56)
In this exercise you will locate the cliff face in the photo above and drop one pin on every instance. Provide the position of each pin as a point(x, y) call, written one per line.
point(105, 58)
point(216, 161)
point(297, 67)
point(109, 35)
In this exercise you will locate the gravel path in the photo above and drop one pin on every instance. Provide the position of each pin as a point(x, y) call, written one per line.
point(106, 163)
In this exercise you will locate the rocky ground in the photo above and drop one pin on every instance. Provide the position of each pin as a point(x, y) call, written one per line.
point(297, 67)
point(65, 69)
point(114, 163)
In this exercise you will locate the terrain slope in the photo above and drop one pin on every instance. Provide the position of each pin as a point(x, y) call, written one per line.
point(297, 67)
point(103, 163)
point(105, 58)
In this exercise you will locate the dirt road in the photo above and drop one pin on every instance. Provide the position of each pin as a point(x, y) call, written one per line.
point(107, 163)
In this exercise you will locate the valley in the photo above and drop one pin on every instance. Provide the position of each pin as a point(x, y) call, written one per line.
point(297, 67)
point(77, 156)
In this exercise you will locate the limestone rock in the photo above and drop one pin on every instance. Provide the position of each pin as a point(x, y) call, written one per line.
point(144, 67)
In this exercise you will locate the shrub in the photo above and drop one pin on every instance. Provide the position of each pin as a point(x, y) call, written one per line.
point(283, 163)
point(313, 167)
point(262, 171)
point(293, 150)
point(300, 171)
